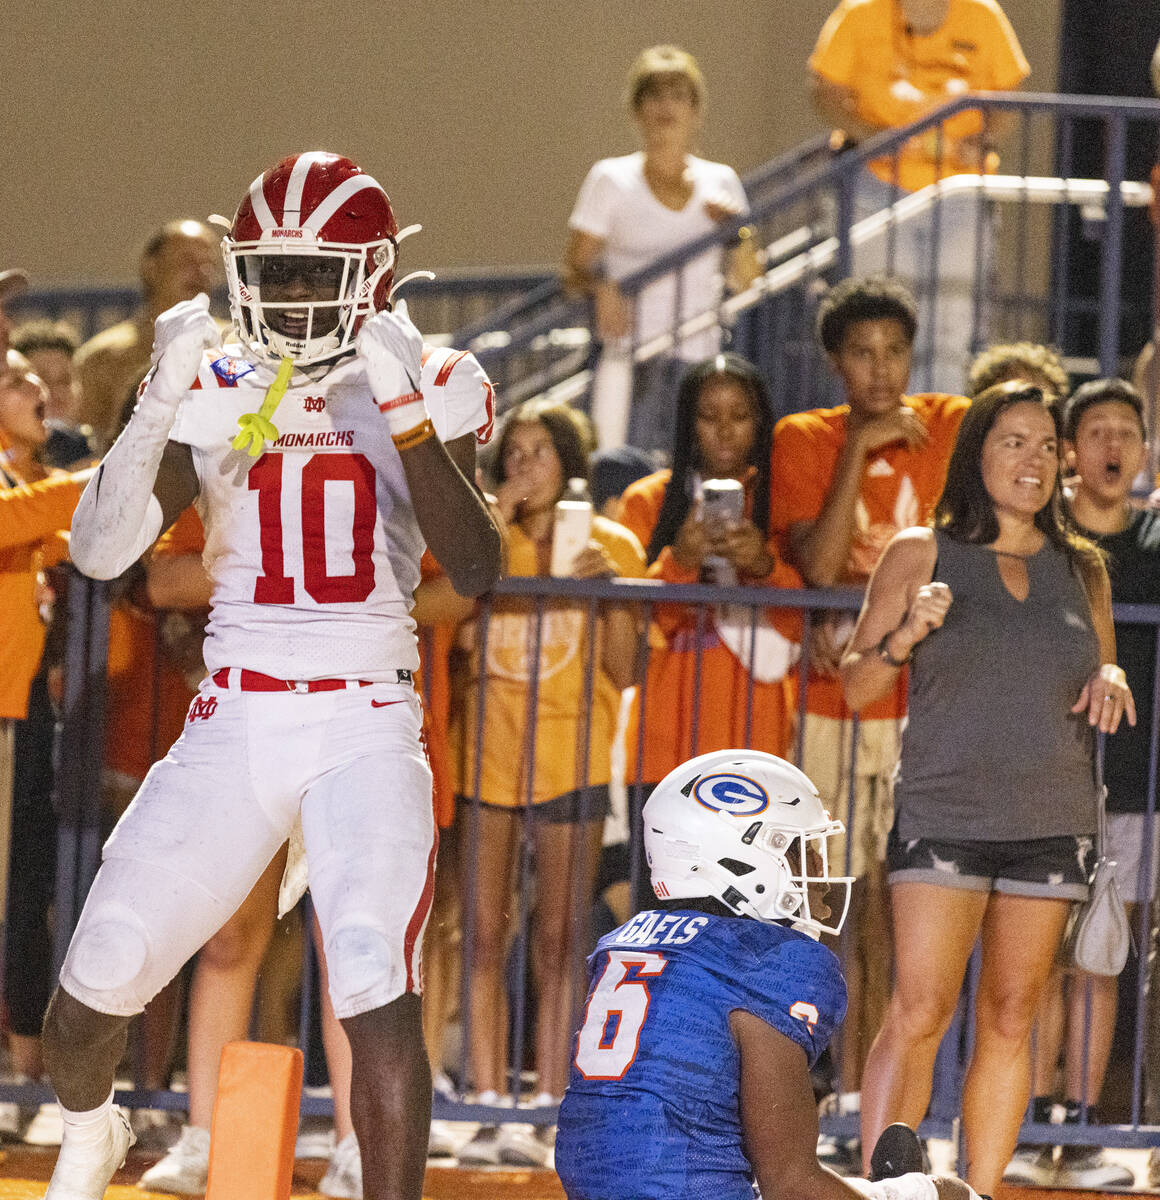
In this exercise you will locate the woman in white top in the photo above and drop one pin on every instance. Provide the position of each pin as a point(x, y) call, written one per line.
point(631, 211)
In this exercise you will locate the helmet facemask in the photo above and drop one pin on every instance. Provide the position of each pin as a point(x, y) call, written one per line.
point(810, 897)
point(304, 301)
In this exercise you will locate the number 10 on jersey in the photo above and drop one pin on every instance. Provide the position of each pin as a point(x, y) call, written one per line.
point(274, 586)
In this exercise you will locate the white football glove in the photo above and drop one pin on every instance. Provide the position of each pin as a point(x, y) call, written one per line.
point(391, 349)
point(181, 335)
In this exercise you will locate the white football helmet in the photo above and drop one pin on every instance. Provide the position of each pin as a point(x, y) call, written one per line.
point(748, 829)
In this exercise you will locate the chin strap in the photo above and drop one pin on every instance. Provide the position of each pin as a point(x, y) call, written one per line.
point(256, 429)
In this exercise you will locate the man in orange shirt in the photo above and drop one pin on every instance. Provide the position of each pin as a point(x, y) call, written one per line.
point(882, 64)
point(845, 480)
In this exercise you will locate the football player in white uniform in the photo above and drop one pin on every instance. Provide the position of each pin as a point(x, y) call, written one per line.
point(314, 530)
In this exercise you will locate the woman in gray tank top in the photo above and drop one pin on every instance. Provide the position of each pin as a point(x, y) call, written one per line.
point(1006, 615)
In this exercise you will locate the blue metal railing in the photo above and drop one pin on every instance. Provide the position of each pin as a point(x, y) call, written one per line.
point(805, 205)
point(78, 801)
point(437, 305)
point(809, 218)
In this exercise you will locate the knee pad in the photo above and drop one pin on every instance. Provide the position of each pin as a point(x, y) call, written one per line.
point(108, 956)
point(366, 970)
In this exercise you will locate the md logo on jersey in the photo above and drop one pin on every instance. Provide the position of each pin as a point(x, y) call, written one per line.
point(202, 708)
point(736, 795)
point(314, 404)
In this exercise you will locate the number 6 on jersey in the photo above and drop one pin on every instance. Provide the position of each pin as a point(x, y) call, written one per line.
point(607, 1042)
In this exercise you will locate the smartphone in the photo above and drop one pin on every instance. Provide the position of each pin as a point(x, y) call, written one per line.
point(722, 502)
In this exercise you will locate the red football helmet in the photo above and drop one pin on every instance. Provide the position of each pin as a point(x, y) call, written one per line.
point(310, 253)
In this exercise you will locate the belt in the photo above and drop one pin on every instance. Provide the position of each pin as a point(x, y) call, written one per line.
point(255, 681)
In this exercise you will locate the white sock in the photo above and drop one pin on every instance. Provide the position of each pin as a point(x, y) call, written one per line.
point(91, 1127)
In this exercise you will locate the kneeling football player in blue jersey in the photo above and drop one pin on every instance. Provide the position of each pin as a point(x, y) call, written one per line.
point(690, 1079)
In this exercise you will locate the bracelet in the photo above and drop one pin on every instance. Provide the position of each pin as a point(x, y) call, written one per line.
point(400, 401)
point(412, 437)
point(883, 649)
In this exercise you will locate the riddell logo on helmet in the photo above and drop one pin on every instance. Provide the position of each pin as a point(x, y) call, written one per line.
point(286, 233)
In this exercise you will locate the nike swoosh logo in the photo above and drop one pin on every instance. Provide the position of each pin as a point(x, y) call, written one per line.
point(384, 703)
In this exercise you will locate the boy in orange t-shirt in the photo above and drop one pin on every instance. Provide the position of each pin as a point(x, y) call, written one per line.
point(845, 480)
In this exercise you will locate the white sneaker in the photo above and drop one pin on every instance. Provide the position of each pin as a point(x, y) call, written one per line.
point(441, 1141)
point(483, 1148)
point(46, 1128)
point(523, 1145)
point(83, 1171)
point(314, 1141)
point(154, 1128)
point(1086, 1167)
point(343, 1176)
point(14, 1120)
point(1031, 1166)
point(185, 1167)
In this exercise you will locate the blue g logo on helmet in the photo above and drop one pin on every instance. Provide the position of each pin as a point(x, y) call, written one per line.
point(737, 795)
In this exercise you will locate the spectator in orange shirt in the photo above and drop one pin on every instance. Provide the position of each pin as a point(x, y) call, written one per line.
point(845, 480)
point(881, 64)
point(699, 695)
point(564, 798)
point(50, 347)
point(27, 719)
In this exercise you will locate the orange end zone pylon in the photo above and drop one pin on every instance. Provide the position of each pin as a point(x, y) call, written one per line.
point(255, 1122)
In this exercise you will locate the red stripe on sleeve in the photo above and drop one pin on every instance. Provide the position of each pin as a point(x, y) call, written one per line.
point(449, 366)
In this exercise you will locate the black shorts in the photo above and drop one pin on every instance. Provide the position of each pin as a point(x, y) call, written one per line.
point(567, 809)
point(1054, 868)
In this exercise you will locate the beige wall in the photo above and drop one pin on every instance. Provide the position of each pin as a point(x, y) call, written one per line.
point(479, 116)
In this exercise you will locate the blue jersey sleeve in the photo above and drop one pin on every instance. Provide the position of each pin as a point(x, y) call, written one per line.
point(796, 986)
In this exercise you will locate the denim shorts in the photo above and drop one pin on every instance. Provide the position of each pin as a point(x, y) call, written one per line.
point(1054, 868)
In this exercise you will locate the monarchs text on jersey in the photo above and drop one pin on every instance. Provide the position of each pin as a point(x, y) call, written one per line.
point(653, 1104)
point(313, 547)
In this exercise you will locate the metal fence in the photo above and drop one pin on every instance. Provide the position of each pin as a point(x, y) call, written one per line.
point(991, 252)
point(994, 251)
point(538, 601)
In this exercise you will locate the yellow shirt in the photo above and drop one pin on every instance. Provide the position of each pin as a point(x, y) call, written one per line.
point(560, 716)
point(897, 76)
